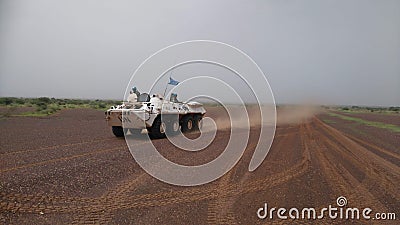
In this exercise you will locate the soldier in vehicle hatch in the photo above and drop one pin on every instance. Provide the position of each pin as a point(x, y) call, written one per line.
point(174, 98)
point(134, 90)
point(133, 95)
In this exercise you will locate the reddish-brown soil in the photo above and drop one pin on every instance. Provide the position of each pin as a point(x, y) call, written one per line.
point(70, 169)
point(8, 111)
point(385, 138)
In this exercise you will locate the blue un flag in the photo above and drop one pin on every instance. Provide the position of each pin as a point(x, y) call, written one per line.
point(173, 82)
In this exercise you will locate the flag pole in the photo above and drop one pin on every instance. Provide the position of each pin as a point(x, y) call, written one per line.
point(166, 86)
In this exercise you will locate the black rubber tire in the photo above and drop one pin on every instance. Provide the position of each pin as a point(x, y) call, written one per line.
point(118, 131)
point(173, 127)
point(196, 122)
point(186, 121)
point(155, 131)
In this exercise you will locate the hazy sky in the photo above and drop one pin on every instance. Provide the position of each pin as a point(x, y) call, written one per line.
point(312, 51)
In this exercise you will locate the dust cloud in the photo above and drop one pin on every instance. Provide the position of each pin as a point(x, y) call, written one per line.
point(285, 115)
point(296, 114)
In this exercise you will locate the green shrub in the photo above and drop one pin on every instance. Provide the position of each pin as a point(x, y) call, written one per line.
point(46, 106)
point(6, 101)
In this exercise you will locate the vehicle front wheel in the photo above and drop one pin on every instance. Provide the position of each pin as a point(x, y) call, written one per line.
point(158, 128)
point(118, 131)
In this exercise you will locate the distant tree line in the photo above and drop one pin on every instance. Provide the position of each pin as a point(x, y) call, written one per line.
point(45, 105)
point(371, 109)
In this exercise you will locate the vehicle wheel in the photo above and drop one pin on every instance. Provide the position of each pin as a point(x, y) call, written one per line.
point(158, 128)
point(197, 122)
point(187, 123)
point(173, 127)
point(118, 131)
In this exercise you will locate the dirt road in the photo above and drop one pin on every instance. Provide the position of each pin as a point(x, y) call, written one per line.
point(63, 170)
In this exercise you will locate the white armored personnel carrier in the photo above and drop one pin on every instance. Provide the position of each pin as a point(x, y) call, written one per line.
point(154, 113)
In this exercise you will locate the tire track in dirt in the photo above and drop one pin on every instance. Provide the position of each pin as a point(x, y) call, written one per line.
point(220, 209)
point(93, 152)
point(374, 176)
point(229, 189)
point(378, 171)
point(93, 207)
point(339, 178)
point(320, 162)
point(243, 180)
point(105, 215)
point(100, 209)
point(55, 204)
point(355, 148)
point(55, 146)
point(60, 159)
point(337, 184)
point(306, 160)
point(379, 149)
